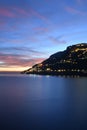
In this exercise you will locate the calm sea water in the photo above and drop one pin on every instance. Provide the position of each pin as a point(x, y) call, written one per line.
point(30, 102)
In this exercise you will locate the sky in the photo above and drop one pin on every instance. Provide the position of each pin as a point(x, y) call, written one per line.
point(32, 30)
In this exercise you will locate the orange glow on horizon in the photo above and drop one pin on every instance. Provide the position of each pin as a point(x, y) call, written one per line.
point(13, 69)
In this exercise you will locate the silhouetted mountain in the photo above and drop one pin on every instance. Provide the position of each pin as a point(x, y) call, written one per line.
point(72, 61)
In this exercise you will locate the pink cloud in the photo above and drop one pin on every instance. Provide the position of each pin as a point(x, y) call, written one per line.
point(22, 11)
point(13, 60)
point(80, 2)
point(74, 11)
point(40, 16)
point(13, 12)
point(6, 12)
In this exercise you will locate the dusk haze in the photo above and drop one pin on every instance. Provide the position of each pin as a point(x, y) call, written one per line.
point(31, 31)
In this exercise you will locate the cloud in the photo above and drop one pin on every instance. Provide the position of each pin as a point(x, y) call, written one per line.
point(22, 50)
point(2, 23)
point(76, 35)
point(75, 11)
point(40, 16)
point(11, 60)
point(6, 12)
point(57, 40)
point(21, 11)
point(11, 41)
point(40, 30)
point(19, 57)
point(13, 17)
point(14, 12)
point(79, 2)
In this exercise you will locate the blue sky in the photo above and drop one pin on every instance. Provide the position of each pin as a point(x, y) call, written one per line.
point(32, 30)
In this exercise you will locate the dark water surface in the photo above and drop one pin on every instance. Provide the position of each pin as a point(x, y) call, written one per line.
point(42, 103)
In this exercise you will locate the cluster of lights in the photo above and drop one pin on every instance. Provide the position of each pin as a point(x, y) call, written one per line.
point(46, 67)
point(56, 70)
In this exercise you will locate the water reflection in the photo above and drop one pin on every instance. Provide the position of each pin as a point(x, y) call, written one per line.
point(43, 103)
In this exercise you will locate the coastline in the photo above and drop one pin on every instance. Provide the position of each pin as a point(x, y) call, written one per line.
point(68, 73)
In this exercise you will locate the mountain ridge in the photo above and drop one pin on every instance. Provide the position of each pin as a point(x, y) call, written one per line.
point(72, 61)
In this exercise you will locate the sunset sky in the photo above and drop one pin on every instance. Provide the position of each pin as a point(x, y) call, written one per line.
point(32, 30)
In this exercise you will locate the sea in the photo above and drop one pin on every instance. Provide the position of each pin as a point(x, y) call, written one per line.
point(35, 102)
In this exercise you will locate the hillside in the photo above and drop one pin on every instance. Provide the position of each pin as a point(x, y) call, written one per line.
point(72, 61)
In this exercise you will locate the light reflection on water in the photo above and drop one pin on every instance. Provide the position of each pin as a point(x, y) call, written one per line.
point(30, 102)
